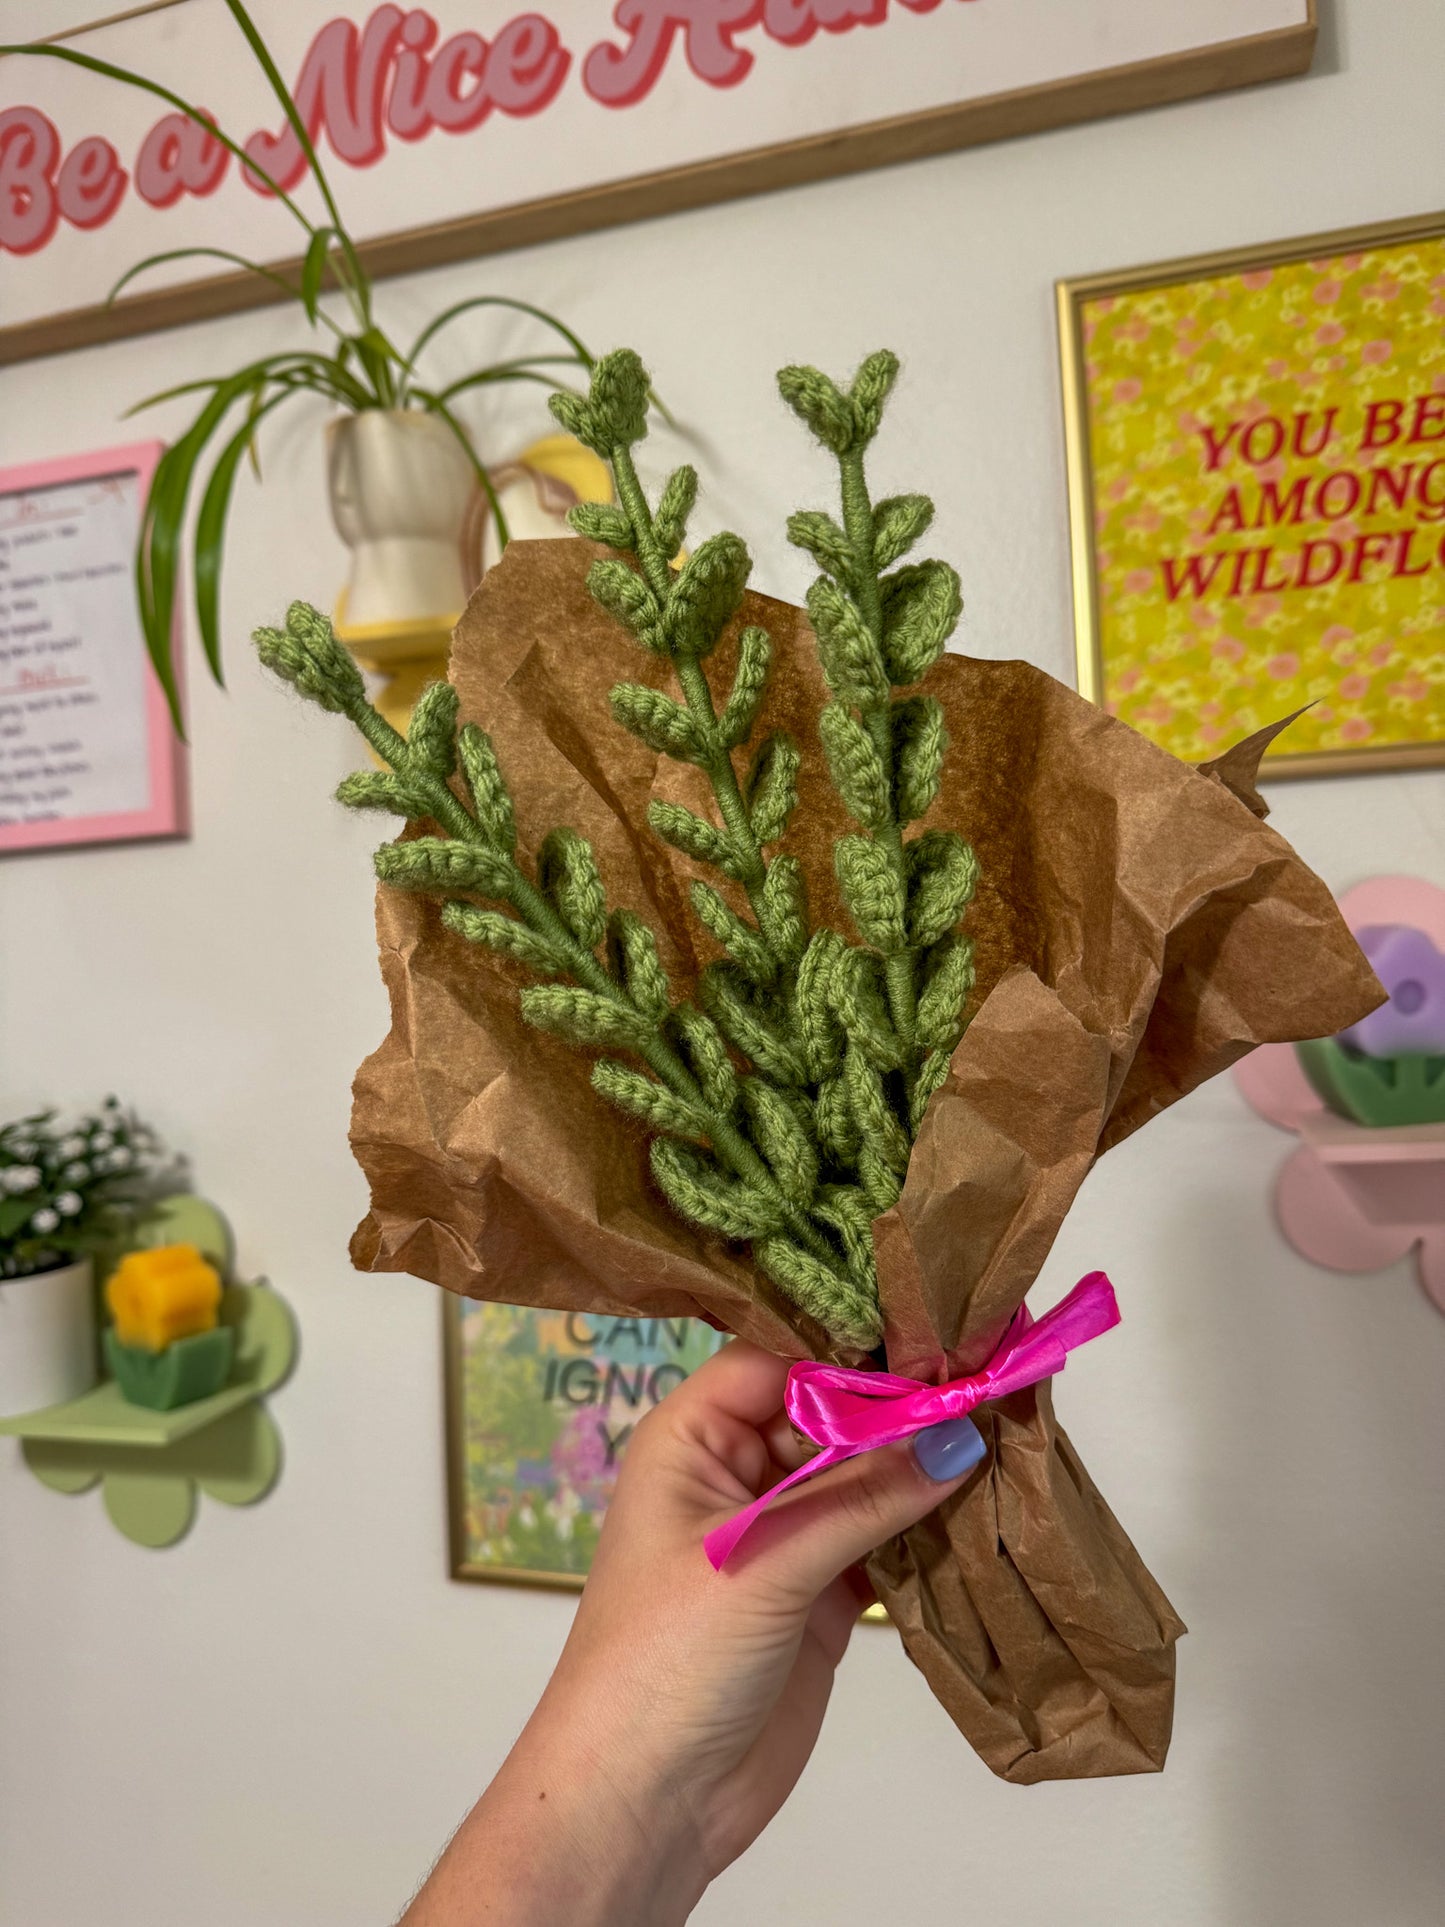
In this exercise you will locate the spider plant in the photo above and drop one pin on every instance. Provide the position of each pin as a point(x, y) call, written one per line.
point(355, 365)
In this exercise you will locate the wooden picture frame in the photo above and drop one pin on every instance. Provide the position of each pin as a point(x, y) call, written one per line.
point(1184, 73)
point(1236, 553)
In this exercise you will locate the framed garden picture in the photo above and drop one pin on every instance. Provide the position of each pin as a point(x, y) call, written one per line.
point(539, 1408)
point(1256, 458)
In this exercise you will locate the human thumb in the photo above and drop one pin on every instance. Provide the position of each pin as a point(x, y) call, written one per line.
point(834, 1521)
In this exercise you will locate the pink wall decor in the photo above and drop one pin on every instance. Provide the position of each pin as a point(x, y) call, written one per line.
point(87, 753)
point(1349, 1197)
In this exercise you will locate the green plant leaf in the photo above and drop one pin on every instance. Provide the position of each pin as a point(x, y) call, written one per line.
point(601, 522)
point(783, 1140)
point(431, 737)
point(381, 789)
point(458, 308)
point(821, 537)
point(490, 796)
point(669, 523)
point(313, 269)
point(706, 594)
point(753, 1022)
point(617, 587)
point(947, 980)
point(847, 650)
point(706, 1056)
point(208, 546)
point(782, 908)
point(816, 1004)
point(871, 388)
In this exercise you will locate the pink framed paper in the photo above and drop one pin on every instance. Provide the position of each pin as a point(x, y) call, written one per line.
point(87, 753)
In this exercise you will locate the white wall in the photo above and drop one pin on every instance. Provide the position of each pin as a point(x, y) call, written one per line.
point(278, 1720)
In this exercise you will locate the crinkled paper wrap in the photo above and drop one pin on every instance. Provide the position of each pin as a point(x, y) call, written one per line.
point(1138, 928)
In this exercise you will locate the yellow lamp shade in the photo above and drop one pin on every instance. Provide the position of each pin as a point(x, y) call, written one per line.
point(156, 1297)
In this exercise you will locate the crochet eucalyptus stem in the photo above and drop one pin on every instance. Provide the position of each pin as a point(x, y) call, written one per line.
point(304, 656)
point(692, 680)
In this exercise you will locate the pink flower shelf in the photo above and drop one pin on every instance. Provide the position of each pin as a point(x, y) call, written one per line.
point(1351, 1198)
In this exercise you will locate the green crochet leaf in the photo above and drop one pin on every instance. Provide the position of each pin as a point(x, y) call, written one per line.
point(771, 792)
point(431, 737)
point(942, 875)
point(837, 1303)
point(602, 522)
point(855, 766)
point(872, 891)
point(567, 876)
point(669, 523)
point(584, 1016)
point(782, 908)
point(947, 981)
point(872, 386)
point(753, 1022)
point(696, 1185)
point(632, 954)
point(750, 682)
point(381, 789)
point(645, 1098)
point(898, 522)
point(703, 842)
point(920, 738)
point(820, 536)
point(851, 662)
point(816, 1004)
point(783, 1139)
point(816, 400)
point(706, 595)
point(617, 587)
point(664, 725)
point(706, 1054)
point(742, 942)
point(490, 796)
point(921, 606)
point(444, 864)
point(505, 935)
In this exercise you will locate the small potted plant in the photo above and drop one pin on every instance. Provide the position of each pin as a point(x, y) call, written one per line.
point(407, 485)
point(66, 1193)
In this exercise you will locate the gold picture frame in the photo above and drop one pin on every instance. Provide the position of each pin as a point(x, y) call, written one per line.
point(1126, 381)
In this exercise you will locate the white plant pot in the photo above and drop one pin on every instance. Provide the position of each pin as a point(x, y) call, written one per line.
point(47, 1338)
point(400, 485)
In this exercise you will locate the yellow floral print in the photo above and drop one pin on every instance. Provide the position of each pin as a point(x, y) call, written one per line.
point(1268, 454)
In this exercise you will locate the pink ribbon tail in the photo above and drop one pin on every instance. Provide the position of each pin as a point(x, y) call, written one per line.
point(846, 1412)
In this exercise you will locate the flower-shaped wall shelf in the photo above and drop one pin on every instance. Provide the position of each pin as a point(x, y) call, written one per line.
point(150, 1464)
point(1354, 1198)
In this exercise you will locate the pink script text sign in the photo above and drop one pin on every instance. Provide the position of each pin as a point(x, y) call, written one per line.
point(87, 754)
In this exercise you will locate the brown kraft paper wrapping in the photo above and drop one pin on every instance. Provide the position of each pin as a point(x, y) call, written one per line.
point(1137, 929)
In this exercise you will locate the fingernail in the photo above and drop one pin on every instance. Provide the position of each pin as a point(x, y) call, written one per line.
point(944, 1451)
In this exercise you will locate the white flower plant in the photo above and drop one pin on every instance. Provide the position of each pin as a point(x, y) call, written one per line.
point(69, 1191)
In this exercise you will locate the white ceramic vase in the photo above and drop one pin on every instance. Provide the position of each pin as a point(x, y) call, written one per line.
point(400, 483)
point(47, 1338)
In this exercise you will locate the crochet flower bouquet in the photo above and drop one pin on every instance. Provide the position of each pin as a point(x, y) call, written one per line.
point(782, 970)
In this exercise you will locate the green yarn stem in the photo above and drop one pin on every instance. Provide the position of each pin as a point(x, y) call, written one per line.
point(692, 679)
point(451, 813)
point(877, 720)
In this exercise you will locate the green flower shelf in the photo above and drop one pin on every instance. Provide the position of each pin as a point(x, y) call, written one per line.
point(149, 1463)
point(1377, 1091)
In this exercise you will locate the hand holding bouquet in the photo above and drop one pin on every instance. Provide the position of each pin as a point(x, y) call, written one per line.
point(875, 947)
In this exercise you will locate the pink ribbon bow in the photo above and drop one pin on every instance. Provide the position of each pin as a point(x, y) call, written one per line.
point(847, 1412)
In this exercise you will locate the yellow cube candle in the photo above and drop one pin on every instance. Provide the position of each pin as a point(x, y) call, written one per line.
point(156, 1297)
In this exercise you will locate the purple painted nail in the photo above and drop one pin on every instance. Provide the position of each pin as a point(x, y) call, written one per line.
point(950, 1448)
